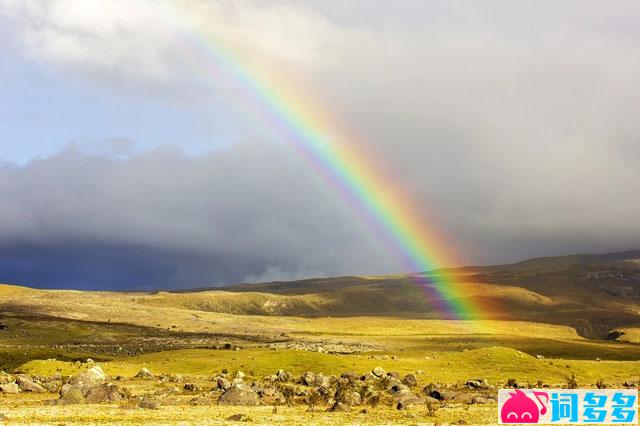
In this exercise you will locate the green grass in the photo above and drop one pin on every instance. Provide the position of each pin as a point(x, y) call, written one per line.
point(495, 364)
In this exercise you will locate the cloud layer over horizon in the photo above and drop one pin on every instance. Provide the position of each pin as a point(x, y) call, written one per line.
point(513, 126)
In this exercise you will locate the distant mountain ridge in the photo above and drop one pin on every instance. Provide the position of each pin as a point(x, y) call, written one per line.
point(597, 294)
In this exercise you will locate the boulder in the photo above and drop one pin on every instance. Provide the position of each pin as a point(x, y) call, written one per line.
point(5, 378)
point(149, 404)
point(480, 400)
point(398, 389)
point(26, 384)
point(10, 388)
point(408, 399)
point(72, 396)
point(223, 383)
point(199, 401)
point(378, 372)
point(105, 392)
point(192, 387)
point(51, 386)
point(239, 418)
point(339, 407)
point(349, 375)
point(272, 396)
point(283, 376)
point(369, 377)
point(308, 378)
point(410, 380)
point(322, 380)
point(144, 373)
point(239, 395)
point(351, 398)
point(89, 378)
point(477, 384)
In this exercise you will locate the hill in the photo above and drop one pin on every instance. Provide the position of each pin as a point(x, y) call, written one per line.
point(595, 293)
point(598, 295)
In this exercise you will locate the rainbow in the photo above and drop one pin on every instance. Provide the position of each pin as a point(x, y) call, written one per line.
point(341, 161)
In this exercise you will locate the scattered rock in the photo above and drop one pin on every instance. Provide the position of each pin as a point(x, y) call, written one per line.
point(407, 399)
point(540, 356)
point(378, 372)
point(322, 380)
point(308, 378)
point(223, 383)
point(478, 384)
point(410, 380)
point(10, 388)
point(71, 396)
point(512, 383)
point(351, 398)
point(239, 395)
point(480, 400)
point(398, 389)
point(283, 376)
point(26, 384)
point(149, 404)
point(339, 407)
point(105, 392)
point(5, 378)
point(239, 418)
point(350, 375)
point(144, 373)
point(199, 400)
point(89, 378)
point(192, 387)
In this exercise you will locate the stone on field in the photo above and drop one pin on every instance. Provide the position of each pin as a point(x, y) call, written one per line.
point(223, 383)
point(71, 396)
point(239, 395)
point(144, 373)
point(88, 378)
point(309, 378)
point(478, 384)
point(26, 384)
point(410, 380)
point(351, 398)
point(480, 400)
point(105, 392)
point(5, 378)
point(149, 404)
point(339, 407)
point(239, 418)
point(378, 372)
point(10, 388)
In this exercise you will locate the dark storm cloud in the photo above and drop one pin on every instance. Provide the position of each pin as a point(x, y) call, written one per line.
point(166, 220)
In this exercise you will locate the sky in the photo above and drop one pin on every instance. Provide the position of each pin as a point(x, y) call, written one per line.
point(128, 161)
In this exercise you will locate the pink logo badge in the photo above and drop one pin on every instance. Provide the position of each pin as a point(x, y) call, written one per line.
point(519, 408)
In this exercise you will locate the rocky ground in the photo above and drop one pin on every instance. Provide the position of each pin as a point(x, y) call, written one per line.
point(311, 392)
